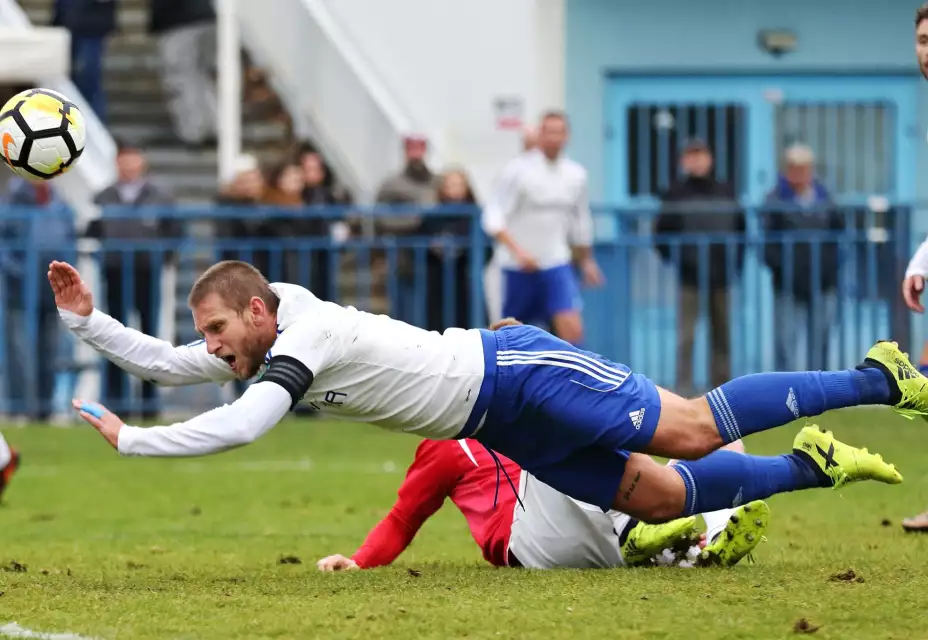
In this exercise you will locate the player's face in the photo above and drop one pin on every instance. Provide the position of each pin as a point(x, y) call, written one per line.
point(921, 46)
point(238, 338)
point(552, 136)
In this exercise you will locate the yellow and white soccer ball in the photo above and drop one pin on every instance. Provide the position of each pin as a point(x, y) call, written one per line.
point(42, 134)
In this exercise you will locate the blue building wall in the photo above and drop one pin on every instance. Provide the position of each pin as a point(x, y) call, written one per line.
point(676, 36)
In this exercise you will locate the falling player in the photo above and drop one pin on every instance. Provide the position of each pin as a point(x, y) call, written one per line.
point(540, 528)
point(571, 418)
point(914, 283)
point(538, 217)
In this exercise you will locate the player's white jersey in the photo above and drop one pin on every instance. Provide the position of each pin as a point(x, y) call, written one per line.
point(544, 206)
point(557, 531)
point(365, 367)
point(372, 368)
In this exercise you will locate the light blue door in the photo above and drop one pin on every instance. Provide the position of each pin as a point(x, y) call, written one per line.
point(861, 127)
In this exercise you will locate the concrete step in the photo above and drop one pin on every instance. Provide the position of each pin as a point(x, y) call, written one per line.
point(119, 62)
point(258, 133)
point(125, 111)
point(182, 160)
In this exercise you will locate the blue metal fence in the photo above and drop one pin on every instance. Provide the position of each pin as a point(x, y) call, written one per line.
point(841, 295)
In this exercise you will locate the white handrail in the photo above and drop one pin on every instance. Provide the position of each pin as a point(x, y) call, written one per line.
point(330, 89)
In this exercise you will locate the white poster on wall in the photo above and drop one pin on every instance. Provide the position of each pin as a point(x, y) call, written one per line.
point(509, 112)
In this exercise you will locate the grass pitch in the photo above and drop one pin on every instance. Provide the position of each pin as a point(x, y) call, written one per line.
point(107, 547)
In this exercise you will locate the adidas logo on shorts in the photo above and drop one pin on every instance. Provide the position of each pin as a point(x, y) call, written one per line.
point(637, 418)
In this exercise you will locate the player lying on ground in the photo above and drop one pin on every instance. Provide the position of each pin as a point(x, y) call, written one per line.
point(569, 417)
point(541, 528)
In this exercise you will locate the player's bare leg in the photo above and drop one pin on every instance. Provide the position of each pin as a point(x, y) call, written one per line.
point(568, 326)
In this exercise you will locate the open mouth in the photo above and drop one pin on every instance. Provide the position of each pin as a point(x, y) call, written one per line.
point(230, 360)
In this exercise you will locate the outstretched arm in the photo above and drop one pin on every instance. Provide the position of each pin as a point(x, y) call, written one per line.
point(141, 355)
point(430, 479)
point(301, 351)
point(261, 407)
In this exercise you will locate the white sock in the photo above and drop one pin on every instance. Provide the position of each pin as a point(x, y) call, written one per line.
point(715, 522)
point(5, 455)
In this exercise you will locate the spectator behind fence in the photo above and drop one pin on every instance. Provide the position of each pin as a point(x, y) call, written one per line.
point(285, 186)
point(186, 32)
point(89, 22)
point(133, 278)
point(246, 190)
point(32, 383)
point(701, 204)
point(800, 313)
point(454, 190)
point(321, 191)
point(417, 187)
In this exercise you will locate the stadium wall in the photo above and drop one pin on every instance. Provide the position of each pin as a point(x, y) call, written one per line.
point(675, 36)
point(449, 61)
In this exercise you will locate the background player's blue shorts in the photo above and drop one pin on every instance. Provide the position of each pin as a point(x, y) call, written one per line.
point(540, 295)
point(566, 415)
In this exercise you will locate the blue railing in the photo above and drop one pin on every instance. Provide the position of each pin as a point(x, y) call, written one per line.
point(435, 280)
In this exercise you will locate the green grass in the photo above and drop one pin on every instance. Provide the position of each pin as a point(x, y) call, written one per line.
point(120, 548)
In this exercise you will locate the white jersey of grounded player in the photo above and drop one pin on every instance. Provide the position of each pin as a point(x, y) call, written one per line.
point(350, 365)
point(544, 205)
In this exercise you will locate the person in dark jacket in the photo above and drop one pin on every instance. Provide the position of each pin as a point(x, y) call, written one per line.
point(133, 278)
point(804, 309)
point(186, 32)
point(89, 22)
point(701, 204)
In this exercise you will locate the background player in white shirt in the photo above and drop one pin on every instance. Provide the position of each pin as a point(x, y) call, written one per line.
point(571, 418)
point(540, 220)
point(914, 282)
point(493, 273)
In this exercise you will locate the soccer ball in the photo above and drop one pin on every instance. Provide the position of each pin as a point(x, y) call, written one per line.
point(42, 134)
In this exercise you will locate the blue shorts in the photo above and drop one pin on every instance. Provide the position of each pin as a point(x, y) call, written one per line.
point(540, 295)
point(567, 416)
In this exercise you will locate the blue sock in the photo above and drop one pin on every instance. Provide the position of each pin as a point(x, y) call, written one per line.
point(762, 401)
point(726, 479)
point(923, 369)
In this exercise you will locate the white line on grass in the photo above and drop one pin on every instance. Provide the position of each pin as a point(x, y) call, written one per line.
point(13, 630)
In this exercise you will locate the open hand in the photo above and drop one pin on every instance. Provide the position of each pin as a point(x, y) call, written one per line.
point(912, 288)
point(71, 294)
point(108, 424)
point(337, 563)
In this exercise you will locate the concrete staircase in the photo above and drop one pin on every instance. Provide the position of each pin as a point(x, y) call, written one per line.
point(137, 109)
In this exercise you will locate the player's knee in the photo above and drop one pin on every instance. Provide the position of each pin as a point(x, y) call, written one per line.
point(698, 436)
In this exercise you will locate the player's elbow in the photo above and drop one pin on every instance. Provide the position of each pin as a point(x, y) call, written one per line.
point(242, 435)
point(492, 223)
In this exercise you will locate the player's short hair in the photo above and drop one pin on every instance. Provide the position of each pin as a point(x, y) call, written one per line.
point(554, 114)
point(921, 14)
point(236, 283)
